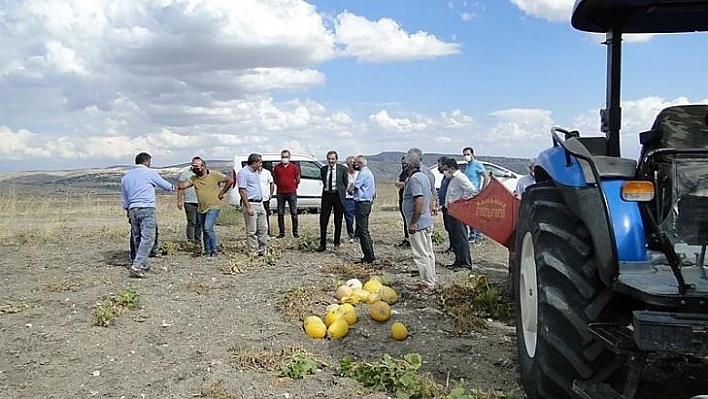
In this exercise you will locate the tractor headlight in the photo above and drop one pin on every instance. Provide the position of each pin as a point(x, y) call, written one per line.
point(637, 190)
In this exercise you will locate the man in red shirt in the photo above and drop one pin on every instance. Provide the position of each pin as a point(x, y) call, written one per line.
point(286, 177)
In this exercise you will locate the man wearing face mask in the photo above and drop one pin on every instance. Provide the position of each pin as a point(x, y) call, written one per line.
point(334, 185)
point(479, 177)
point(442, 192)
point(209, 195)
point(286, 176)
point(459, 188)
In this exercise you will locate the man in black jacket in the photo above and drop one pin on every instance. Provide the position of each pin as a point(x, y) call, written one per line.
point(334, 185)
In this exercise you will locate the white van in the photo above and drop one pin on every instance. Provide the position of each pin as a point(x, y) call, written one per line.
point(309, 192)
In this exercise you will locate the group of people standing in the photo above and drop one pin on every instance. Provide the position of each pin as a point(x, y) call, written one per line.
point(348, 192)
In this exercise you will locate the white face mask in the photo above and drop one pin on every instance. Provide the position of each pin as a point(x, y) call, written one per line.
point(447, 173)
point(468, 158)
point(285, 160)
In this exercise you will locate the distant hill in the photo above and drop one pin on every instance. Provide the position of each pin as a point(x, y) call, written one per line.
point(385, 166)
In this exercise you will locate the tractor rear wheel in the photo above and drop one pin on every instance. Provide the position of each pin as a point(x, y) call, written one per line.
point(557, 293)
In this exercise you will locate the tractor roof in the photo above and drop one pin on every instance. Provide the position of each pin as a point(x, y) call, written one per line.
point(641, 16)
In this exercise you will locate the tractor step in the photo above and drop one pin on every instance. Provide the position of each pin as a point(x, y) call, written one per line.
point(618, 337)
point(671, 332)
point(594, 390)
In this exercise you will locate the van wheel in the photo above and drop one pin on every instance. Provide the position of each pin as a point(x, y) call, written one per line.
point(557, 293)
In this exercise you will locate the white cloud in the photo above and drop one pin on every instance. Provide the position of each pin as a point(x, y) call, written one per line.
point(384, 121)
point(551, 10)
point(637, 116)
point(521, 132)
point(308, 127)
point(101, 80)
point(561, 10)
point(384, 40)
point(64, 59)
point(260, 80)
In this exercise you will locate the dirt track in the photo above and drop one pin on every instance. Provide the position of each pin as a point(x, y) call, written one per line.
point(195, 316)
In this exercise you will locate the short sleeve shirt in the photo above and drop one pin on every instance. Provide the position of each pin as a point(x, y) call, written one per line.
point(417, 185)
point(474, 172)
point(208, 190)
point(250, 181)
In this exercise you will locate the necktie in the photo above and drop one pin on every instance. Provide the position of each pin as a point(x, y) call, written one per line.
point(329, 179)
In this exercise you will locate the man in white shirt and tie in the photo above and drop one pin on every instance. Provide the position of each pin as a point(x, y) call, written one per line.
point(334, 187)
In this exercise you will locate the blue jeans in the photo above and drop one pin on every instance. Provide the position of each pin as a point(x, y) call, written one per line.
point(133, 248)
point(208, 220)
point(143, 226)
point(349, 216)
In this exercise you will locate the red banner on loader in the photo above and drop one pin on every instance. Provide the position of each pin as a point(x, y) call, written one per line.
point(493, 212)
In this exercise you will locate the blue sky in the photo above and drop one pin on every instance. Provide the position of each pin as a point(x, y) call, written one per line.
point(91, 84)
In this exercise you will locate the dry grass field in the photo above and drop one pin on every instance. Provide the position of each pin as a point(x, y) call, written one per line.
point(74, 325)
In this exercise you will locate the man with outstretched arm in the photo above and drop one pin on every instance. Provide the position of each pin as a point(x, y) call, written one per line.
point(137, 189)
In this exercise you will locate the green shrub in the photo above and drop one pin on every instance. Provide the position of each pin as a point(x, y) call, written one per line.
point(229, 216)
point(114, 305)
point(397, 376)
point(438, 238)
point(299, 364)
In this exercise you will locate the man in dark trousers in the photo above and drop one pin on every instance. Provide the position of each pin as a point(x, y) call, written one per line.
point(334, 185)
point(286, 176)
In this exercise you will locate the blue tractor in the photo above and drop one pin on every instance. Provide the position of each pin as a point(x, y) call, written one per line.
point(609, 262)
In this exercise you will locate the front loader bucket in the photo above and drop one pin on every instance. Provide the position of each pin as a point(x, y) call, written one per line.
point(493, 212)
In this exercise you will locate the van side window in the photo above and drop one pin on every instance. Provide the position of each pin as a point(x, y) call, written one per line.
point(309, 170)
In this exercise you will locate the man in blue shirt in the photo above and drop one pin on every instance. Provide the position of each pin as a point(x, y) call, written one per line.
point(254, 213)
point(417, 197)
point(480, 179)
point(138, 197)
point(364, 192)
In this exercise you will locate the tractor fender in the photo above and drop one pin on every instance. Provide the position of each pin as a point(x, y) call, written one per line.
point(615, 226)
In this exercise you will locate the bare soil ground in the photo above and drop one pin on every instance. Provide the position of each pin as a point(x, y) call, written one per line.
point(214, 328)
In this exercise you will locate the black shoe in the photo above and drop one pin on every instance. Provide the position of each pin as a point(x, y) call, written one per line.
point(281, 235)
point(364, 260)
point(456, 266)
point(320, 249)
point(404, 243)
point(296, 235)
